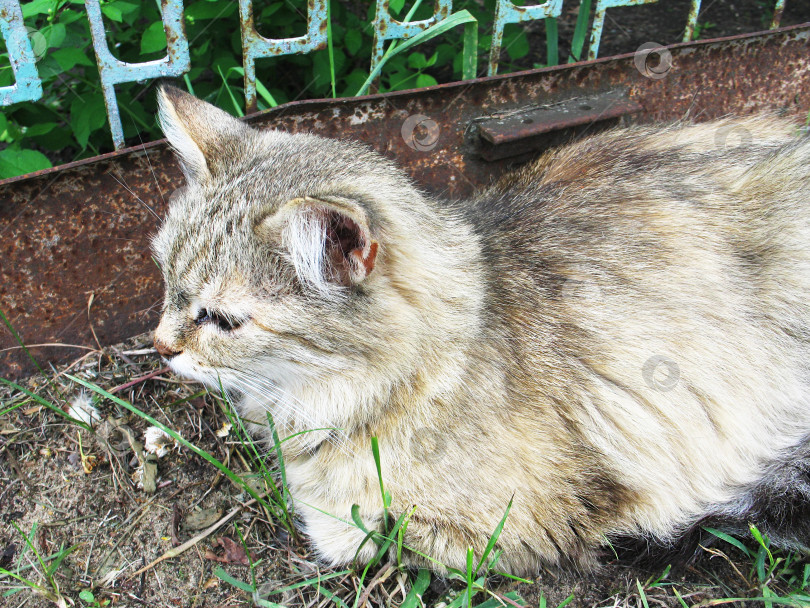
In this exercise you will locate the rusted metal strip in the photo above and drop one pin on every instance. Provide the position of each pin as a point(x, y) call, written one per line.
point(83, 230)
point(518, 131)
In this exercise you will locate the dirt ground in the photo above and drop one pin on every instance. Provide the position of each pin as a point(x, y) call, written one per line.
point(67, 488)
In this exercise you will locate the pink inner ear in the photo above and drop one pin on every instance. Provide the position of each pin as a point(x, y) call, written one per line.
point(347, 250)
point(345, 232)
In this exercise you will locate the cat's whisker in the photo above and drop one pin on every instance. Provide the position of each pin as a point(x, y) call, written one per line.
point(286, 402)
point(138, 198)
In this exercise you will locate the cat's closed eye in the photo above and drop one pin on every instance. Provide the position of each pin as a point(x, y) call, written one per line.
point(222, 321)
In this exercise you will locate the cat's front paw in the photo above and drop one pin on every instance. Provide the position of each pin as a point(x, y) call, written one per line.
point(336, 541)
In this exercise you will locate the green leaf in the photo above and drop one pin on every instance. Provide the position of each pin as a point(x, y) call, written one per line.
point(396, 6)
point(425, 80)
point(14, 162)
point(70, 57)
point(87, 596)
point(37, 7)
point(87, 115)
point(112, 12)
point(517, 46)
point(200, 11)
point(55, 35)
point(128, 9)
point(3, 123)
point(417, 60)
point(353, 40)
point(153, 39)
point(40, 128)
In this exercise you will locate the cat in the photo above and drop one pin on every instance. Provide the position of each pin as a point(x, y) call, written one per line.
point(612, 342)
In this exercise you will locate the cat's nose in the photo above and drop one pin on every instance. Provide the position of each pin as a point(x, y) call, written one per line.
point(164, 350)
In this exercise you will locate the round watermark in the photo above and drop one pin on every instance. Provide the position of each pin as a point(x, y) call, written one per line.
point(39, 44)
point(732, 136)
point(580, 289)
point(427, 445)
point(420, 132)
point(645, 60)
point(661, 373)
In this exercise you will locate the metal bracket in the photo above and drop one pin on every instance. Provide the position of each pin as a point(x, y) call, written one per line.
point(528, 129)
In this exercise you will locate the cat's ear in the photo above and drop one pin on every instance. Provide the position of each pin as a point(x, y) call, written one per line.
point(199, 133)
point(328, 239)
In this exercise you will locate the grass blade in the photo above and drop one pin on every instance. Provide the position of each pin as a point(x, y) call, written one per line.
point(375, 449)
point(459, 18)
point(494, 537)
point(201, 453)
point(309, 582)
point(237, 108)
point(469, 60)
point(20, 342)
point(420, 585)
point(44, 402)
point(222, 575)
point(552, 42)
point(730, 540)
point(641, 594)
point(580, 31)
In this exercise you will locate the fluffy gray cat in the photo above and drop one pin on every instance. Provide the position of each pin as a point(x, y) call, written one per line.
point(616, 338)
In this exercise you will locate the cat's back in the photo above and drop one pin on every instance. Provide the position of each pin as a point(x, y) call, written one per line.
point(727, 199)
point(654, 284)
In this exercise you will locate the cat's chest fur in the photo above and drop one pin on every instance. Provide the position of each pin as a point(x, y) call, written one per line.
point(602, 339)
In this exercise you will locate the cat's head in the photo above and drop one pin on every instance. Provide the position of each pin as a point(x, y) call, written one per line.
point(291, 261)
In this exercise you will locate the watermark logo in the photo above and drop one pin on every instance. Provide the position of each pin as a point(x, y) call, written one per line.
point(661, 373)
point(427, 445)
point(580, 289)
point(645, 60)
point(732, 136)
point(420, 132)
point(39, 44)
